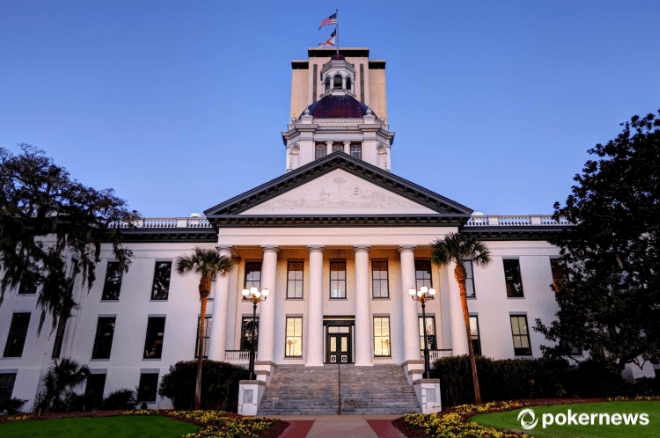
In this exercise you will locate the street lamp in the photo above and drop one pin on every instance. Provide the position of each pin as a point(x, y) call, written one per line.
point(255, 296)
point(423, 295)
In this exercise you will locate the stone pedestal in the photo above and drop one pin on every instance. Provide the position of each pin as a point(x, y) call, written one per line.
point(428, 394)
point(249, 396)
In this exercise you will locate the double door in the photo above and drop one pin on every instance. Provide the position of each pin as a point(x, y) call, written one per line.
point(338, 345)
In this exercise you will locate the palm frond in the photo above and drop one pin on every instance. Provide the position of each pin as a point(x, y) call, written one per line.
point(458, 247)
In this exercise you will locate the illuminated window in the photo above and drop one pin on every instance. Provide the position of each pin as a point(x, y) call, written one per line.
point(430, 333)
point(293, 347)
point(520, 333)
point(153, 344)
point(382, 345)
point(514, 286)
point(161, 286)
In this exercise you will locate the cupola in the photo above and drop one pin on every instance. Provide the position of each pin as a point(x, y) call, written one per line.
point(338, 77)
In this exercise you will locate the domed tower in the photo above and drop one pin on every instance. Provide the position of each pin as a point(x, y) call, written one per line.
point(338, 104)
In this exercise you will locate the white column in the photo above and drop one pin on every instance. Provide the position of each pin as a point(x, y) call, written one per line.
point(459, 344)
point(314, 339)
point(363, 354)
point(329, 145)
point(408, 306)
point(267, 310)
point(343, 82)
point(347, 147)
point(218, 340)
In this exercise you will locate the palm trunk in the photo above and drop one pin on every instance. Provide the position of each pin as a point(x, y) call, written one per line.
point(204, 290)
point(461, 275)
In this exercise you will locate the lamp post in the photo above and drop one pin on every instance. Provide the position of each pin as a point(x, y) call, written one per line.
point(255, 296)
point(423, 295)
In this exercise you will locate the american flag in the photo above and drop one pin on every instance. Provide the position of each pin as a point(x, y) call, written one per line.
point(330, 20)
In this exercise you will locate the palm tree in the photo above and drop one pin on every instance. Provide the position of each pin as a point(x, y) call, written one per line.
point(208, 264)
point(456, 248)
point(61, 378)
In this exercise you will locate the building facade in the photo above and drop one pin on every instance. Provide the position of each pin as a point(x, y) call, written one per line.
point(338, 240)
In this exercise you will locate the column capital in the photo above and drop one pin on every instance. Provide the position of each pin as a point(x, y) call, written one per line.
point(329, 142)
point(269, 247)
point(407, 248)
point(223, 248)
point(347, 142)
point(316, 248)
point(361, 247)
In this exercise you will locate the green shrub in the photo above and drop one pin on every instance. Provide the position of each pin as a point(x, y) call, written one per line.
point(121, 399)
point(11, 406)
point(219, 385)
point(508, 379)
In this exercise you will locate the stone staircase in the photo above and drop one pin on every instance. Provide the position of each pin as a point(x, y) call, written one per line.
point(339, 389)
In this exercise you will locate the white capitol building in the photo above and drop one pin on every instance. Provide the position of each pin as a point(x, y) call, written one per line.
point(338, 240)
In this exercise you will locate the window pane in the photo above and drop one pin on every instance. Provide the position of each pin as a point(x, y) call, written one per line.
point(514, 325)
point(338, 280)
point(423, 274)
point(104, 333)
point(293, 337)
point(246, 333)
point(295, 280)
point(356, 150)
point(473, 326)
point(94, 389)
point(344, 344)
point(380, 286)
point(161, 287)
point(381, 336)
point(59, 338)
point(430, 333)
point(153, 345)
point(17, 334)
point(148, 387)
point(513, 279)
point(112, 285)
point(253, 275)
point(7, 381)
point(320, 150)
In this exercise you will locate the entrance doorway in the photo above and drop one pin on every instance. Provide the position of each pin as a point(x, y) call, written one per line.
point(338, 344)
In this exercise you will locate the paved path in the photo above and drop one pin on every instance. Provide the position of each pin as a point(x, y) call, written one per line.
point(344, 426)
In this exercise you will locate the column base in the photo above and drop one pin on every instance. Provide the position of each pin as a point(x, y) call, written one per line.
point(363, 364)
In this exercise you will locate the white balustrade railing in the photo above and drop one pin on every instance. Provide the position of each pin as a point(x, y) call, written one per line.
point(327, 122)
point(165, 222)
point(239, 356)
point(515, 221)
point(436, 354)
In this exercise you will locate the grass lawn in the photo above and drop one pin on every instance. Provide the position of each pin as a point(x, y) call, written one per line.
point(509, 420)
point(119, 427)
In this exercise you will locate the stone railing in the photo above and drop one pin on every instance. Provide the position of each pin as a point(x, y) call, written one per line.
point(436, 354)
point(330, 122)
point(239, 356)
point(515, 221)
point(168, 222)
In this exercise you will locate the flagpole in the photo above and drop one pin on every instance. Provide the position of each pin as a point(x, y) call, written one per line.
point(337, 30)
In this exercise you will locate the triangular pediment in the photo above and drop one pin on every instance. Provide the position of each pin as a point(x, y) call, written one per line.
point(338, 187)
point(338, 193)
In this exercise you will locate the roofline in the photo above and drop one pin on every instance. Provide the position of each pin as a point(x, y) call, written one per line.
point(352, 52)
point(346, 157)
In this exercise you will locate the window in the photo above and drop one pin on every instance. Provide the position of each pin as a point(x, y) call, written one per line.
point(153, 345)
point(28, 285)
point(423, 274)
point(513, 281)
point(474, 334)
point(382, 336)
point(337, 147)
point(252, 275)
point(521, 344)
point(112, 284)
point(469, 280)
point(337, 81)
point(207, 334)
point(337, 279)
point(147, 388)
point(356, 150)
point(105, 330)
point(558, 273)
point(320, 150)
point(59, 337)
point(246, 333)
point(17, 333)
point(294, 280)
point(94, 389)
point(293, 347)
point(379, 282)
point(430, 333)
point(161, 287)
point(7, 381)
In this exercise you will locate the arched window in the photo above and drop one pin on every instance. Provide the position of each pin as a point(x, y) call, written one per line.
point(320, 150)
point(337, 82)
point(348, 84)
point(327, 84)
point(356, 150)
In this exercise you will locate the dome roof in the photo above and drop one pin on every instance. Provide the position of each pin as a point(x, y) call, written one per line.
point(338, 107)
point(338, 56)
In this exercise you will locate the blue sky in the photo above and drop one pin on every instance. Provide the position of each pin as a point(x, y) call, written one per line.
point(179, 106)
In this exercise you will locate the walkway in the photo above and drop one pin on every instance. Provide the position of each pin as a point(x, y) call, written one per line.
point(344, 426)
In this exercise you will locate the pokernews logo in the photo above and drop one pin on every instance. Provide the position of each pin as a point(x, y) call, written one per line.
point(528, 420)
